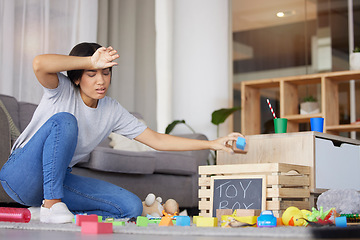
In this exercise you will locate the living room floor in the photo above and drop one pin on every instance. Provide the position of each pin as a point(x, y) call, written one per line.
point(14, 234)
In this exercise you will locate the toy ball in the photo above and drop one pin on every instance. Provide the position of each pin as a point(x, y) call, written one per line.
point(293, 217)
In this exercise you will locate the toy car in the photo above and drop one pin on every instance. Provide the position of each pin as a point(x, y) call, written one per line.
point(267, 219)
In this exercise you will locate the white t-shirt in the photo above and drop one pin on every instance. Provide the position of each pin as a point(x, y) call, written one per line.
point(94, 124)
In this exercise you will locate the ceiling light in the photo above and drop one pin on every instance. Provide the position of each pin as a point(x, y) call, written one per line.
point(285, 14)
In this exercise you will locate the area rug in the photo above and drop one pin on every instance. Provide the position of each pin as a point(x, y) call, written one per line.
point(151, 229)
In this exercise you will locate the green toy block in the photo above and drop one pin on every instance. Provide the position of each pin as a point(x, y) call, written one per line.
point(155, 220)
point(109, 220)
point(118, 223)
point(142, 221)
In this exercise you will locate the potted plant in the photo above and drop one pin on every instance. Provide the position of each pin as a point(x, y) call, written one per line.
point(355, 59)
point(309, 105)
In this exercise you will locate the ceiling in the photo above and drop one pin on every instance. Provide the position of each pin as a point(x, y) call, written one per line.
point(254, 14)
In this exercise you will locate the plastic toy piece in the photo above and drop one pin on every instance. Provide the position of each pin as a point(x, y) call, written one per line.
point(14, 214)
point(142, 221)
point(222, 212)
point(240, 218)
point(79, 219)
point(321, 218)
point(182, 221)
point(341, 221)
point(195, 218)
point(267, 219)
point(293, 216)
point(207, 222)
point(166, 221)
point(96, 228)
point(240, 146)
point(154, 220)
point(247, 212)
point(233, 221)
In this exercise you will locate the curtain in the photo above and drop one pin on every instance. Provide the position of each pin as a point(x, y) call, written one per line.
point(32, 27)
point(129, 27)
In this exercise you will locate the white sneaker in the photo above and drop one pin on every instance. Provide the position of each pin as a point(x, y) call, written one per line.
point(35, 213)
point(58, 213)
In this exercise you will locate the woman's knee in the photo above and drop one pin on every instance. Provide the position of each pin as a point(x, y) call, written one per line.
point(134, 209)
point(67, 121)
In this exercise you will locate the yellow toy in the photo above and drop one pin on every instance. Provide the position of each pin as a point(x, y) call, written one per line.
point(295, 217)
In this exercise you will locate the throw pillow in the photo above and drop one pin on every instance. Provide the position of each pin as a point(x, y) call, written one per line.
point(120, 142)
point(14, 131)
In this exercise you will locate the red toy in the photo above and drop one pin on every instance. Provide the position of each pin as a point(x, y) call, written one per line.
point(79, 219)
point(96, 228)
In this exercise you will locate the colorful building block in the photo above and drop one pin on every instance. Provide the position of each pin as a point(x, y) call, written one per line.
point(166, 221)
point(118, 223)
point(142, 221)
point(85, 218)
point(221, 212)
point(96, 228)
point(195, 218)
point(182, 221)
point(154, 220)
point(114, 222)
point(246, 212)
point(207, 222)
point(241, 143)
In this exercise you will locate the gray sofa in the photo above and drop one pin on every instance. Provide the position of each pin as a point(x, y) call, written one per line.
point(166, 174)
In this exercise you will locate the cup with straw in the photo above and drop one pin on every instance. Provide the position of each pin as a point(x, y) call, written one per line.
point(280, 124)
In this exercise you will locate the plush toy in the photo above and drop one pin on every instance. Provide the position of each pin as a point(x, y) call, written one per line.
point(153, 206)
point(171, 207)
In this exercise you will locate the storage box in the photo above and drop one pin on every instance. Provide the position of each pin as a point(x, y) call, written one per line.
point(334, 160)
point(286, 184)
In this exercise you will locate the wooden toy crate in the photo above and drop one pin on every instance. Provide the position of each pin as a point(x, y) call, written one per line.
point(287, 184)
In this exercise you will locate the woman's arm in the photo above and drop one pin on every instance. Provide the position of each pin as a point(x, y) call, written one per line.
point(165, 142)
point(46, 66)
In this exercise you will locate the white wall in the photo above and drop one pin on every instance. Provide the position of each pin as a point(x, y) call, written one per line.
point(200, 63)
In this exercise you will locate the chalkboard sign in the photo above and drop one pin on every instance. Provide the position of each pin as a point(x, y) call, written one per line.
point(237, 192)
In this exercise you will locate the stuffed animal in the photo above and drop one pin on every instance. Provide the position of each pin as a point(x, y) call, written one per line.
point(153, 206)
point(171, 207)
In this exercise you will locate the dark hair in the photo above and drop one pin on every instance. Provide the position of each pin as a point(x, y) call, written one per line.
point(84, 49)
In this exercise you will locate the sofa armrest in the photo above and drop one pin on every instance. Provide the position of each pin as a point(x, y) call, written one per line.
point(5, 148)
point(5, 139)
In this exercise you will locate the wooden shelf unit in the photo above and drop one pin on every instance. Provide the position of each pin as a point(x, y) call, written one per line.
point(289, 101)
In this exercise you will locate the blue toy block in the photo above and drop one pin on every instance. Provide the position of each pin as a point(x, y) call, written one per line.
point(241, 143)
point(182, 221)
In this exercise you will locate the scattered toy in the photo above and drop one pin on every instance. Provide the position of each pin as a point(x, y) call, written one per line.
point(153, 206)
point(207, 222)
point(293, 216)
point(96, 228)
point(79, 219)
point(142, 221)
point(182, 221)
point(267, 219)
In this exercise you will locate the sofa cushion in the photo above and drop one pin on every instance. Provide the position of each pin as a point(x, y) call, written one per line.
point(26, 111)
point(179, 163)
point(110, 160)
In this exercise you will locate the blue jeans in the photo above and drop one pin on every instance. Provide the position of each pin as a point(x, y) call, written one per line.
point(40, 171)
